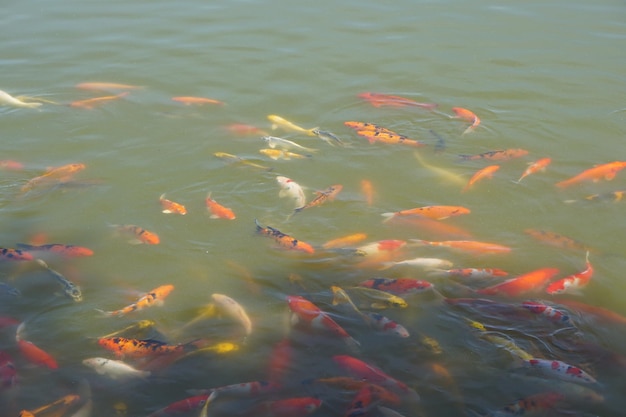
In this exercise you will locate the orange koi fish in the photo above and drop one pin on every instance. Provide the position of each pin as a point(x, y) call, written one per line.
point(465, 114)
point(486, 172)
point(217, 210)
point(437, 228)
point(139, 348)
point(91, 103)
point(68, 251)
point(33, 353)
point(139, 234)
point(368, 191)
point(398, 286)
point(100, 86)
point(522, 284)
point(389, 137)
point(382, 100)
point(572, 282)
point(537, 403)
point(467, 245)
point(555, 239)
point(188, 100)
point(475, 273)
point(328, 194)
point(61, 174)
point(605, 171)
point(152, 298)
point(539, 165)
point(344, 241)
point(499, 155)
point(308, 313)
point(362, 402)
point(363, 126)
point(170, 206)
point(8, 254)
point(289, 407)
point(284, 240)
point(432, 212)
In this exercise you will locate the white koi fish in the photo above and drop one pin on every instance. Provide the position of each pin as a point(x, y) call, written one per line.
point(274, 141)
point(114, 369)
point(560, 370)
point(234, 310)
point(6, 98)
point(291, 189)
point(426, 263)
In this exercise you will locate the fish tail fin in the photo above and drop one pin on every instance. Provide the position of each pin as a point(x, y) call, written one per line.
point(19, 331)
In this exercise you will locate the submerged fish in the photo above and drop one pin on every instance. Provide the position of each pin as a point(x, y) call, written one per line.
point(152, 298)
point(274, 142)
point(234, 159)
point(285, 241)
point(9, 100)
point(59, 248)
point(234, 310)
point(328, 194)
point(69, 288)
point(606, 171)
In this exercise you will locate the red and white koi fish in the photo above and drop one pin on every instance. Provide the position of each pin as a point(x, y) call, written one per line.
point(285, 241)
point(398, 286)
point(531, 281)
point(305, 311)
point(486, 172)
point(605, 171)
point(476, 273)
point(572, 282)
point(546, 310)
point(170, 206)
point(217, 210)
point(467, 115)
point(69, 251)
point(33, 353)
point(384, 324)
point(387, 100)
point(152, 298)
point(560, 370)
point(191, 100)
point(432, 212)
point(290, 188)
point(289, 407)
point(467, 246)
point(328, 194)
point(539, 165)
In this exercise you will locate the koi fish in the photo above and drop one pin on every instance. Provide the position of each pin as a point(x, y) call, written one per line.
point(9, 100)
point(560, 370)
point(486, 172)
point(182, 407)
point(376, 248)
point(605, 171)
point(245, 129)
point(572, 282)
point(362, 402)
point(11, 165)
point(555, 239)
point(545, 310)
point(274, 141)
point(535, 403)
point(289, 407)
point(69, 251)
point(8, 372)
point(278, 121)
point(344, 241)
point(290, 188)
point(104, 86)
point(368, 191)
point(522, 284)
point(614, 195)
point(234, 310)
point(282, 154)
point(539, 165)
point(69, 288)
point(353, 384)
point(217, 210)
point(240, 390)
point(189, 100)
point(63, 404)
point(476, 273)
point(362, 126)
point(387, 136)
point(61, 174)
point(500, 341)
point(139, 234)
point(386, 100)
point(328, 137)
point(234, 159)
point(138, 327)
point(308, 313)
point(382, 299)
point(32, 352)
point(139, 348)
point(284, 240)
point(328, 194)
point(435, 228)
point(398, 286)
point(425, 263)
point(432, 212)
point(170, 206)
point(280, 361)
point(444, 173)
point(114, 369)
point(467, 115)
point(499, 155)
point(8, 254)
point(150, 299)
point(91, 103)
point(467, 246)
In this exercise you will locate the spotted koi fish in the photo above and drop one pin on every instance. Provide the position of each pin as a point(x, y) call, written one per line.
point(152, 298)
point(560, 370)
point(572, 282)
point(545, 310)
point(389, 137)
point(8, 254)
point(139, 348)
point(328, 194)
point(285, 241)
point(69, 251)
point(499, 155)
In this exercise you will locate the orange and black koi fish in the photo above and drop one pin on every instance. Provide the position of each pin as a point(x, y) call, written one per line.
point(152, 298)
point(170, 206)
point(389, 137)
point(8, 254)
point(60, 174)
point(382, 100)
point(537, 166)
point(531, 281)
point(92, 103)
point(467, 115)
point(605, 171)
point(190, 100)
point(555, 239)
point(486, 172)
point(433, 212)
point(363, 126)
point(140, 235)
point(139, 348)
point(398, 286)
point(572, 282)
point(328, 194)
point(499, 155)
point(284, 240)
point(69, 251)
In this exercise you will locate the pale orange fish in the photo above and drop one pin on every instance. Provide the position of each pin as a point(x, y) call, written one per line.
point(11, 165)
point(139, 234)
point(467, 115)
point(486, 172)
point(432, 212)
point(218, 211)
point(380, 100)
point(61, 174)
point(151, 298)
point(170, 206)
point(468, 245)
point(245, 129)
point(189, 100)
point(537, 166)
point(368, 191)
point(345, 241)
point(555, 239)
point(605, 171)
point(100, 86)
point(91, 103)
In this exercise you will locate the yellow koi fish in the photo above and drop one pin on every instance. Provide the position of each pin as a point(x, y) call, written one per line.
point(285, 124)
